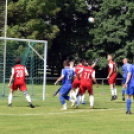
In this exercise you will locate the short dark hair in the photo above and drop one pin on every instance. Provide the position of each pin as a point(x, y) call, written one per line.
point(18, 60)
point(66, 63)
point(80, 60)
point(90, 62)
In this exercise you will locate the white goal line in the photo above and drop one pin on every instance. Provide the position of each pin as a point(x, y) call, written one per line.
point(64, 112)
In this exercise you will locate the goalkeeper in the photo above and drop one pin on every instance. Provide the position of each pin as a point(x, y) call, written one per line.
point(18, 73)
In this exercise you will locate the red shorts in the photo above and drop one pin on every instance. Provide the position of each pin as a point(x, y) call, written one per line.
point(76, 83)
point(112, 79)
point(86, 86)
point(22, 87)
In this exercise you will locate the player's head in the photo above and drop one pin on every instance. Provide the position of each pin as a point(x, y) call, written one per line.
point(18, 60)
point(84, 63)
point(71, 63)
point(125, 60)
point(80, 61)
point(109, 57)
point(90, 62)
point(66, 63)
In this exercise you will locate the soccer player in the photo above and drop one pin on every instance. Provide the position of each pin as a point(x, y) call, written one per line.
point(18, 73)
point(66, 76)
point(125, 69)
point(112, 72)
point(76, 82)
point(130, 87)
point(88, 74)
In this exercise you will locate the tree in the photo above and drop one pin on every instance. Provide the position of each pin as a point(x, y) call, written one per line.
point(113, 32)
point(73, 37)
point(32, 19)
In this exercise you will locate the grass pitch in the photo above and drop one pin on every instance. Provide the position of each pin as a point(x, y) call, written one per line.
point(47, 118)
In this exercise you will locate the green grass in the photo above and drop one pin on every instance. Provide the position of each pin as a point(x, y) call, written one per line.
point(47, 118)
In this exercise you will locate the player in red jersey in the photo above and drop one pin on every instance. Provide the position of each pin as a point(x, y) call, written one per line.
point(18, 73)
point(112, 73)
point(88, 74)
point(76, 82)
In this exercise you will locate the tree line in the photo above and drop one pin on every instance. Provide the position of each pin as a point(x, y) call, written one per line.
point(64, 23)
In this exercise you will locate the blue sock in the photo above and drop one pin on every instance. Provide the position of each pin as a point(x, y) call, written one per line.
point(62, 100)
point(67, 98)
point(128, 104)
point(123, 91)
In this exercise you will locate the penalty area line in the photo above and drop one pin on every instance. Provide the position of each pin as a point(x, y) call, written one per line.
point(60, 113)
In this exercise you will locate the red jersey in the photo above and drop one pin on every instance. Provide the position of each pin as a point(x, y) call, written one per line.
point(78, 68)
point(112, 65)
point(19, 74)
point(87, 74)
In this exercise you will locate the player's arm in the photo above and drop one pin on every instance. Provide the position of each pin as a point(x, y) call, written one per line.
point(79, 73)
point(128, 75)
point(26, 72)
point(59, 79)
point(96, 60)
point(11, 78)
point(94, 79)
point(111, 70)
point(116, 68)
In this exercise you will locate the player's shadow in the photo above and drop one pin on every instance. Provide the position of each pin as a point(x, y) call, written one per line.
point(88, 108)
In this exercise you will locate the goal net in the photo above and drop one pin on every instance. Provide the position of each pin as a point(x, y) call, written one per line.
point(33, 54)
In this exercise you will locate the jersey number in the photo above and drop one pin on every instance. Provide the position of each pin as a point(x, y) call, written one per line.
point(86, 75)
point(19, 73)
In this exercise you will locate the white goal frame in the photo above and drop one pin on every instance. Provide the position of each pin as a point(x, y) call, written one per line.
point(44, 59)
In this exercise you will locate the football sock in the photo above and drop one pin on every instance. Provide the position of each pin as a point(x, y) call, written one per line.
point(28, 98)
point(10, 97)
point(83, 98)
point(91, 99)
point(73, 95)
point(115, 91)
point(123, 91)
point(77, 91)
point(128, 104)
point(65, 106)
point(78, 101)
point(62, 100)
point(112, 92)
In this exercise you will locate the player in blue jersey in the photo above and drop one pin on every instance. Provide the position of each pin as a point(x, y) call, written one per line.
point(125, 69)
point(66, 77)
point(130, 87)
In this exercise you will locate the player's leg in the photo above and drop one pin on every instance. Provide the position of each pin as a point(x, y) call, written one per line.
point(69, 99)
point(129, 92)
point(115, 91)
point(81, 92)
point(73, 94)
point(83, 99)
point(28, 98)
point(112, 91)
point(91, 96)
point(10, 97)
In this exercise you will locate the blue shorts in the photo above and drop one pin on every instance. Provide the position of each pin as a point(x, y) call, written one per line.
point(65, 89)
point(130, 89)
point(124, 80)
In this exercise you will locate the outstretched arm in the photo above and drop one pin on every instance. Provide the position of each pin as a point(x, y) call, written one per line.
point(59, 79)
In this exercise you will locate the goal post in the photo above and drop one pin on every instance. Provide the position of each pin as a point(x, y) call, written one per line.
point(33, 54)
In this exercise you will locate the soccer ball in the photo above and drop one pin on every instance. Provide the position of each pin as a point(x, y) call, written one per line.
point(91, 20)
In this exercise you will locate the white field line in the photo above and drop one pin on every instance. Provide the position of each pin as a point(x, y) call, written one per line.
point(60, 113)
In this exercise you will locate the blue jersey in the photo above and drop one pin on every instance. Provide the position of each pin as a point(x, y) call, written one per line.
point(131, 71)
point(125, 69)
point(68, 74)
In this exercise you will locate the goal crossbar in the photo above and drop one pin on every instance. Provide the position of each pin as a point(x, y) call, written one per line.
point(24, 40)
